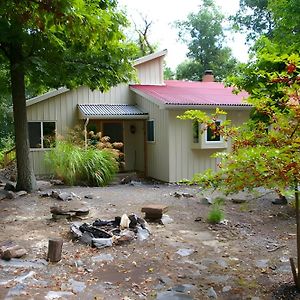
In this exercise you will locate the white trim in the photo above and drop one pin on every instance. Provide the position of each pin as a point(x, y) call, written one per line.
point(149, 57)
point(46, 96)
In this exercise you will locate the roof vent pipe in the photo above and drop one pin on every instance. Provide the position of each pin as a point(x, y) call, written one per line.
point(208, 76)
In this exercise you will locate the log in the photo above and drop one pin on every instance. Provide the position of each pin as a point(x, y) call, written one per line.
point(14, 252)
point(54, 250)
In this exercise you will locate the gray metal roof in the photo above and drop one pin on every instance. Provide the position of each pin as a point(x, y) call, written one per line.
point(111, 111)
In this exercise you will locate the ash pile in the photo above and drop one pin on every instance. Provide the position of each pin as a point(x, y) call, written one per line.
point(103, 233)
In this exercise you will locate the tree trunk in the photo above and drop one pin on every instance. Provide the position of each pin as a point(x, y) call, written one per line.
point(25, 176)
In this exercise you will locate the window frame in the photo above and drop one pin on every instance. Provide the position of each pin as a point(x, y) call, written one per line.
point(41, 135)
point(221, 140)
point(202, 140)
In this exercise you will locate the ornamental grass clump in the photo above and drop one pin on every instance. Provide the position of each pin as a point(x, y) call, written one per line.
point(215, 215)
point(75, 165)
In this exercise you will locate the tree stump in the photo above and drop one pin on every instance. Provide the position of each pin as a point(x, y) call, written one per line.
point(54, 250)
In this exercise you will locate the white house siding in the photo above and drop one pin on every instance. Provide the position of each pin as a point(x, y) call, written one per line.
point(151, 72)
point(62, 109)
point(157, 156)
point(184, 160)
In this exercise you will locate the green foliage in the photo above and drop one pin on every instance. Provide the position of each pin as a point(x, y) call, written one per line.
point(75, 165)
point(254, 18)
point(263, 153)
point(203, 33)
point(216, 214)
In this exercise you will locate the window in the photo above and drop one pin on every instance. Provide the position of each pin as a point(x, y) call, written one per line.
point(206, 138)
point(150, 131)
point(41, 134)
point(211, 136)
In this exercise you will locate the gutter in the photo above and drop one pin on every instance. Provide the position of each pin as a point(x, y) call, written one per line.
point(199, 107)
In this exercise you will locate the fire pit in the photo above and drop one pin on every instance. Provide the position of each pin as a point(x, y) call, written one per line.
point(103, 233)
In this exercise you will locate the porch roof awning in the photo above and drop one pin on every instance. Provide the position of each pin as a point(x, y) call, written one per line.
point(111, 111)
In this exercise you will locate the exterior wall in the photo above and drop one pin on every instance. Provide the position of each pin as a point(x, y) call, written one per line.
point(157, 154)
point(133, 142)
point(151, 72)
point(184, 160)
point(63, 110)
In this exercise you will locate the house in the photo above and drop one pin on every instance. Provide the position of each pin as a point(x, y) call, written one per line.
point(144, 117)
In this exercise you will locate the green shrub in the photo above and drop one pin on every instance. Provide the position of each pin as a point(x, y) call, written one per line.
point(75, 165)
point(215, 215)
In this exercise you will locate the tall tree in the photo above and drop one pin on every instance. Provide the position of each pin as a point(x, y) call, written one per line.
point(203, 32)
point(57, 43)
point(254, 18)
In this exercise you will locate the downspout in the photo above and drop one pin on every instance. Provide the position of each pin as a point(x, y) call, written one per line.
point(85, 133)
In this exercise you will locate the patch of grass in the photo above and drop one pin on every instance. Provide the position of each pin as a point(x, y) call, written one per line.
point(75, 165)
point(244, 207)
point(215, 215)
point(219, 201)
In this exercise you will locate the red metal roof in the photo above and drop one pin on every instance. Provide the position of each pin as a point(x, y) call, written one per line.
point(177, 92)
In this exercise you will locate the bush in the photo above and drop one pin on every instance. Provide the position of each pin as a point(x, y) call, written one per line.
point(215, 215)
point(75, 165)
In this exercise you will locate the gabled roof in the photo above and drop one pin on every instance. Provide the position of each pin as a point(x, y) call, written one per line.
point(111, 111)
point(47, 95)
point(187, 93)
point(150, 57)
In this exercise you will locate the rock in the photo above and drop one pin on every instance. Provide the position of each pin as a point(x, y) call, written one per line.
point(211, 293)
point(86, 238)
point(154, 211)
point(238, 200)
point(56, 182)
point(142, 233)
point(183, 288)
point(102, 257)
point(21, 193)
point(165, 219)
point(207, 200)
point(262, 263)
point(10, 186)
point(45, 194)
point(64, 196)
point(11, 195)
point(226, 288)
point(185, 252)
point(89, 196)
point(187, 195)
point(77, 286)
point(172, 295)
point(51, 295)
point(70, 209)
point(3, 194)
point(102, 242)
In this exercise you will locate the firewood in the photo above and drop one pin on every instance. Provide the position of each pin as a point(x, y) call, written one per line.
point(14, 252)
point(54, 250)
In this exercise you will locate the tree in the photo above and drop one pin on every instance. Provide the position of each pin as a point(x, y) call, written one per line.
point(204, 35)
point(254, 18)
point(59, 43)
point(144, 45)
point(266, 151)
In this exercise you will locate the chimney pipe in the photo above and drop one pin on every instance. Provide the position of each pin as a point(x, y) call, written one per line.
point(208, 76)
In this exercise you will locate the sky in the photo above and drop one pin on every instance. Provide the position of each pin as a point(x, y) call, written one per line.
point(163, 13)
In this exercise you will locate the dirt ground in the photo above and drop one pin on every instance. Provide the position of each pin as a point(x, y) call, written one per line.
point(246, 257)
